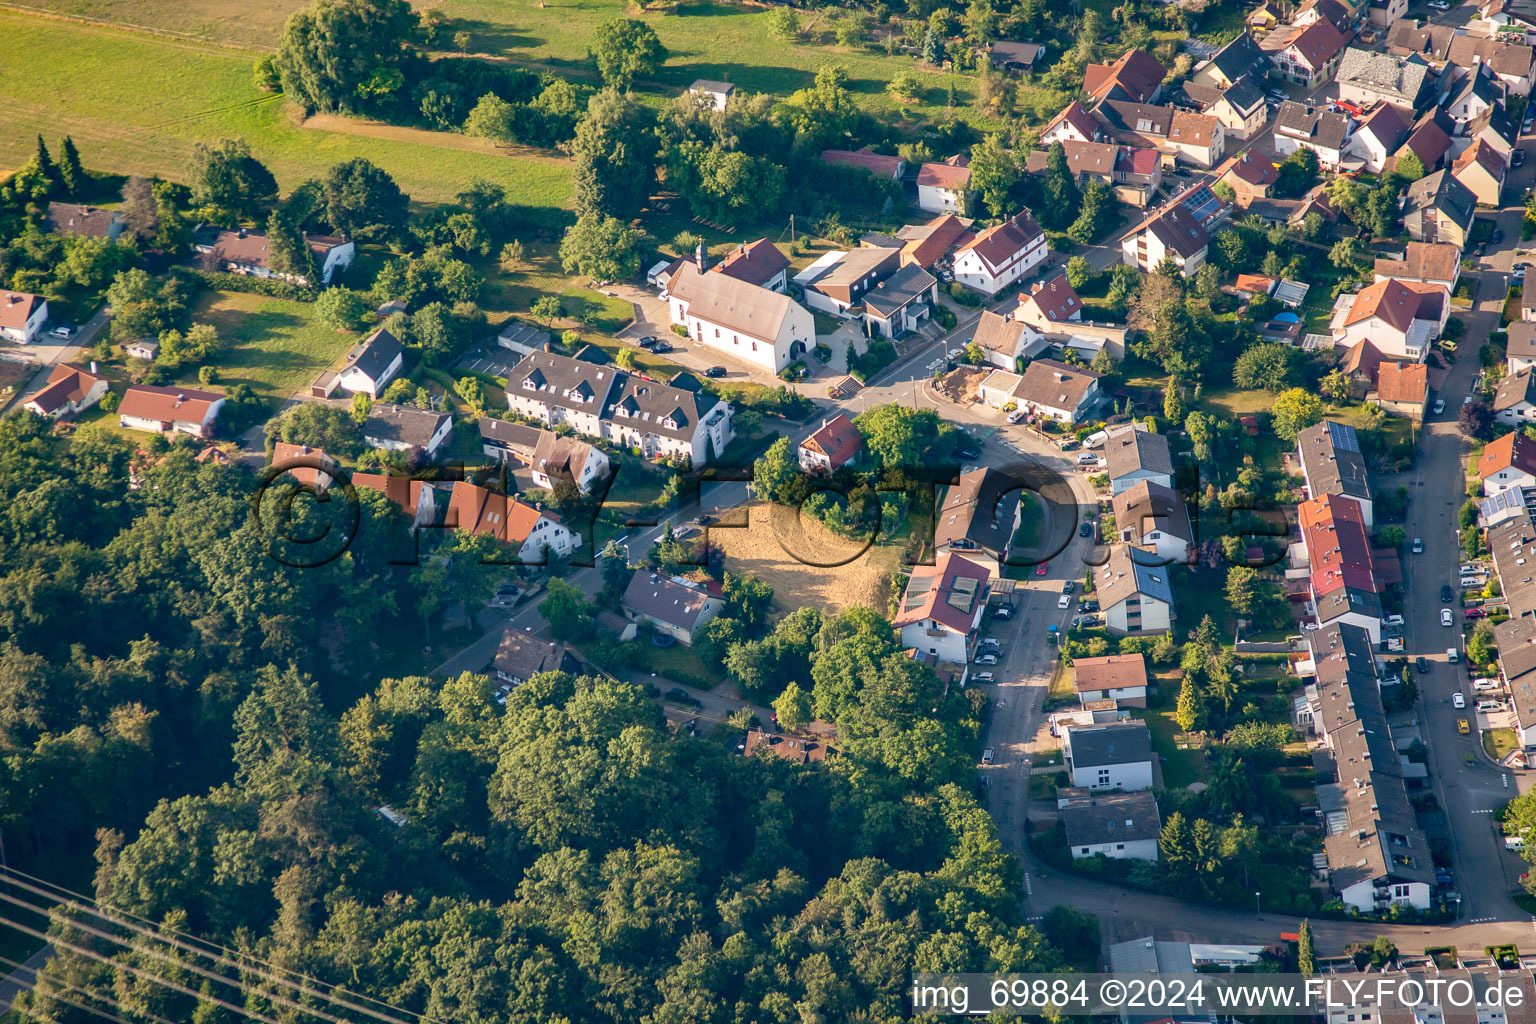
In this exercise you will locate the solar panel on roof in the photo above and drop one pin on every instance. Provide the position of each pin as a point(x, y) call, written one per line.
point(1201, 202)
point(1343, 437)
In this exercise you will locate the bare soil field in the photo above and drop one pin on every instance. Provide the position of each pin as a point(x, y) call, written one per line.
point(805, 563)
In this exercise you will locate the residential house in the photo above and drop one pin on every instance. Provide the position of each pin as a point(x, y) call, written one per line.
point(1406, 36)
point(1367, 77)
point(1399, 318)
point(1133, 454)
point(1249, 176)
point(1514, 403)
point(395, 428)
point(1339, 15)
point(244, 251)
point(1121, 826)
point(1153, 516)
point(925, 244)
point(662, 420)
point(977, 518)
point(369, 367)
point(1439, 208)
point(1050, 305)
point(1482, 170)
point(1015, 58)
point(1135, 593)
point(1310, 55)
point(1385, 13)
point(901, 302)
point(1378, 137)
point(1198, 139)
point(1053, 390)
point(169, 410)
point(1437, 263)
point(740, 319)
point(835, 444)
point(794, 749)
point(1298, 126)
point(1511, 61)
point(1507, 462)
point(1135, 75)
point(711, 95)
point(757, 263)
point(673, 606)
point(839, 280)
point(1520, 348)
point(1402, 389)
point(506, 441)
point(520, 656)
point(1476, 91)
point(942, 607)
point(1134, 172)
point(1343, 580)
point(311, 467)
point(1001, 255)
point(877, 164)
point(142, 348)
point(1240, 108)
point(1331, 463)
point(1170, 233)
point(84, 221)
point(1494, 126)
point(944, 187)
point(1073, 124)
point(1006, 341)
point(1121, 678)
point(22, 316)
point(1233, 62)
point(536, 533)
point(1429, 140)
point(1507, 19)
point(567, 458)
point(69, 392)
point(1112, 756)
point(413, 497)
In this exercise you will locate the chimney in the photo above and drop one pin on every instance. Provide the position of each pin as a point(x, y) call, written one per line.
point(698, 255)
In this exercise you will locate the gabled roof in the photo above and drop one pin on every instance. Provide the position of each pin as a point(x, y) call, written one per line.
point(1055, 385)
point(1394, 79)
point(1331, 459)
point(1078, 117)
point(865, 160)
point(1055, 298)
point(1249, 167)
point(1130, 571)
point(1137, 73)
point(926, 244)
point(520, 437)
point(1429, 141)
point(755, 262)
point(997, 245)
point(1503, 58)
point(1403, 382)
point(1178, 230)
point(1133, 448)
point(1112, 818)
point(83, 221)
point(1007, 52)
point(1485, 156)
point(523, 656)
point(561, 455)
point(283, 452)
point(1244, 95)
point(1444, 193)
point(484, 512)
point(1332, 11)
point(1407, 34)
point(735, 304)
point(1096, 746)
point(1386, 124)
point(1338, 547)
point(147, 402)
point(1240, 57)
point(950, 591)
point(1312, 124)
point(1423, 261)
point(1397, 303)
point(908, 284)
point(1113, 672)
point(838, 439)
point(954, 173)
point(66, 384)
point(978, 512)
point(1148, 506)
point(1512, 451)
point(373, 355)
point(997, 333)
point(1515, 390)
point(1479, 82)
point(1521, 342)
point(672, 599)
point(414, 427)
point(1318, 43)
point(16, 308)
point(711, 86)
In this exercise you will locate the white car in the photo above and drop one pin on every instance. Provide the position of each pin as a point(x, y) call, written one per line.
point(983, 677)
point(1418, 545)
point(1471, 581)
point(62, 332)
point(1439, 405)
point(986, 659)
point(1468, 568)
point(1446, 618)
point(1016, 415)
point(1064, 601)
point(1458, 701)
point(1489, 707)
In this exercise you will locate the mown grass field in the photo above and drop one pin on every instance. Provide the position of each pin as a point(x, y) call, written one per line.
point(273, 345)
point(136, 105)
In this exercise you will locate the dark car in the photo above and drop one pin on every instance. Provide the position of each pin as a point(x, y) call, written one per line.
point(715, 371)
point(1089, 606)
point(646, 342)
point(1086, 530)
point(682, 696)
point(1446, 593)
point(1421, 664)
point(1517, 158)
point(662, 346)
point(965, 451)
point(1497, 236)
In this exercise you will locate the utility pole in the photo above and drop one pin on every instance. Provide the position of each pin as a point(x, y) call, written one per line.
point(791, 229)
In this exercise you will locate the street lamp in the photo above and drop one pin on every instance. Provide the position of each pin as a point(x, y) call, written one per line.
point(1256, 902)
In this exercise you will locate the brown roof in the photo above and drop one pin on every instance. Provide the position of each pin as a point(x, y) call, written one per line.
point(1318, 43)
point(1400, 382)
point(1250, 167)
point(1136, 72)
point(1510, 59)
point(146, 402)
point(1515, 390)
point(1146, 506)
point(1056, 385)
point(1387, 124)
point(1397, 303)
point(1364, 359)
point(791, 748)
point(560, 455)
point(998, 244)
point(1177, 229)
point(938, 236)
point(1521, 343)
point(950, 591)
point(954, 173)
point(84, 221)
point(1491, 160)
point(756, 263)
point(1512, 451)
point(16, 308)
point(523, 656)
point(1193, 129)
point(838, 439)
point(65, 384)
point(1429, 141)
point(998, 333)
point(865, 159)
point(1423, 261)
point(283, 452)
point(403, 491)
point(482, 511)
point(1079, 118)
point(1115, 672)
point(1056, 299)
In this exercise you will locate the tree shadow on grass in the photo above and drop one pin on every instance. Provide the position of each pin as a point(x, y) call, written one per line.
point(745, 77)
point(487, 36)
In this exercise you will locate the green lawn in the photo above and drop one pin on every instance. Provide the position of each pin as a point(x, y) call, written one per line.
point(271, 344)
point(1180, 767)
point(136, 105)
point(1498, 742)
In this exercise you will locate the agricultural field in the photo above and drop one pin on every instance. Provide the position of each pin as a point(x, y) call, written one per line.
point(99, 96)
point(271, 344)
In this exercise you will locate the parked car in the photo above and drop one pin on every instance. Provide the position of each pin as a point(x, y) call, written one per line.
point(1485, 685)
point(1497, 236)
point(715, 371)
point(1068, 586)
point(506, 596)
point(1446, 593)
point(1393, 620)
point(986, 659)
point(1439, 5)
point(1458, 701)
point(983, 677)
point(1463, 726)
point(1489, 707)
point(1418, 546)
point(1002, 611)
point(646, 342)
point(1439, 405)
point(987, 756)
point(1451, 655)
point(63, 331)
point(1471, 581)
point(1087, 459)
point(1086, 530)
point(1064, 602)
point(1476, 613)
point(1017, 415)
point(1445, 617)
point(990, 643)
point(1421, 663)
point(1517, 158)
point(682, 696)
point(1468, 568)
point(662, 346)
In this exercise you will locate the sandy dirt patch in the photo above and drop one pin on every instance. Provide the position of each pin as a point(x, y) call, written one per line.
point(805, 563)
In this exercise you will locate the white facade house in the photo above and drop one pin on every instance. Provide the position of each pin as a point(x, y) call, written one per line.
point(369, 367)
point(1001, 255)
point(1107, 757)
point(740, 319)
point(1399, 318)
point(1152, 515)
point(395, 428)
point(533, 531)
point(1121, 678)
point(942, 608)
point(1121, 826)
point(22, 316)
point(944, 187)
point(69, 392)
point(169, 410)
point(561, 457)
point(1133, 454)
point(1054, 390)
point(243, 251)
point(1135, 594)
point(710, 94)
point(1171, 233)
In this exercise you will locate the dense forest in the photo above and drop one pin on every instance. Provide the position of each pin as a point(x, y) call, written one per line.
point(219, 729)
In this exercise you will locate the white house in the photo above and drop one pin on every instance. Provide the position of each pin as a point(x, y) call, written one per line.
point(831, 447)
point(1425, 262)
point(1073, 124)
point(944, 187)
point(740, 319)
point(1325, 133)
point(1118, 677)
point(369, 367)
point(838, 280)
point(244, 251)
point(1171, 233)
point(564, 457)
point(1004, 341)
point(1520, 350)
point(1506, 463)
point(901, 302)
point(1378, 137)
point(672, 605)
point(22, 316)
point(1514, 403)
point(1122, 826)
point(1135, 592)
point(533, 531)
point(942, 608)
point(1134, 454)
point(1399, 318)
point(1153, 515)
point(1054, 390)
point(710, 94)
point(395, 428)
point(1113, 756)
point(1310, 56)
point(167, 410)
point(1001, 255)
point(69, 392)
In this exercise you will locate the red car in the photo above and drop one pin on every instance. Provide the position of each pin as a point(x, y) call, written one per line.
point(1476, 613)
point(1042, 568)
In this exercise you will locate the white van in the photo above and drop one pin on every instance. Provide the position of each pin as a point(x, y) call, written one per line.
point(1451, 656)
point(1514, 843)
point(1096, 439)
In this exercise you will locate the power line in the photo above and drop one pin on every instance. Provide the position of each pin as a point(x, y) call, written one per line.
point(88, 993)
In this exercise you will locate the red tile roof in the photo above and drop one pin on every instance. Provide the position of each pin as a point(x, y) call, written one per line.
point(401, 490)
point(866, 159)
point(1397, 303)
point(757, 263)
point(950, 591)
point(997, 244)
point(65, 384)
point(944, 231)
point(1115, 672)
point(1318, 43)
point(1512, 451)
point(1337, 546)
point(954, 173)
point(283, 452)
point(1077, 117)
point(16, 308)
point(1056, 299)
point(489, 514)
point(838, 439)
point(1137, 72)
point(1402, 382)
point(145, 402)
